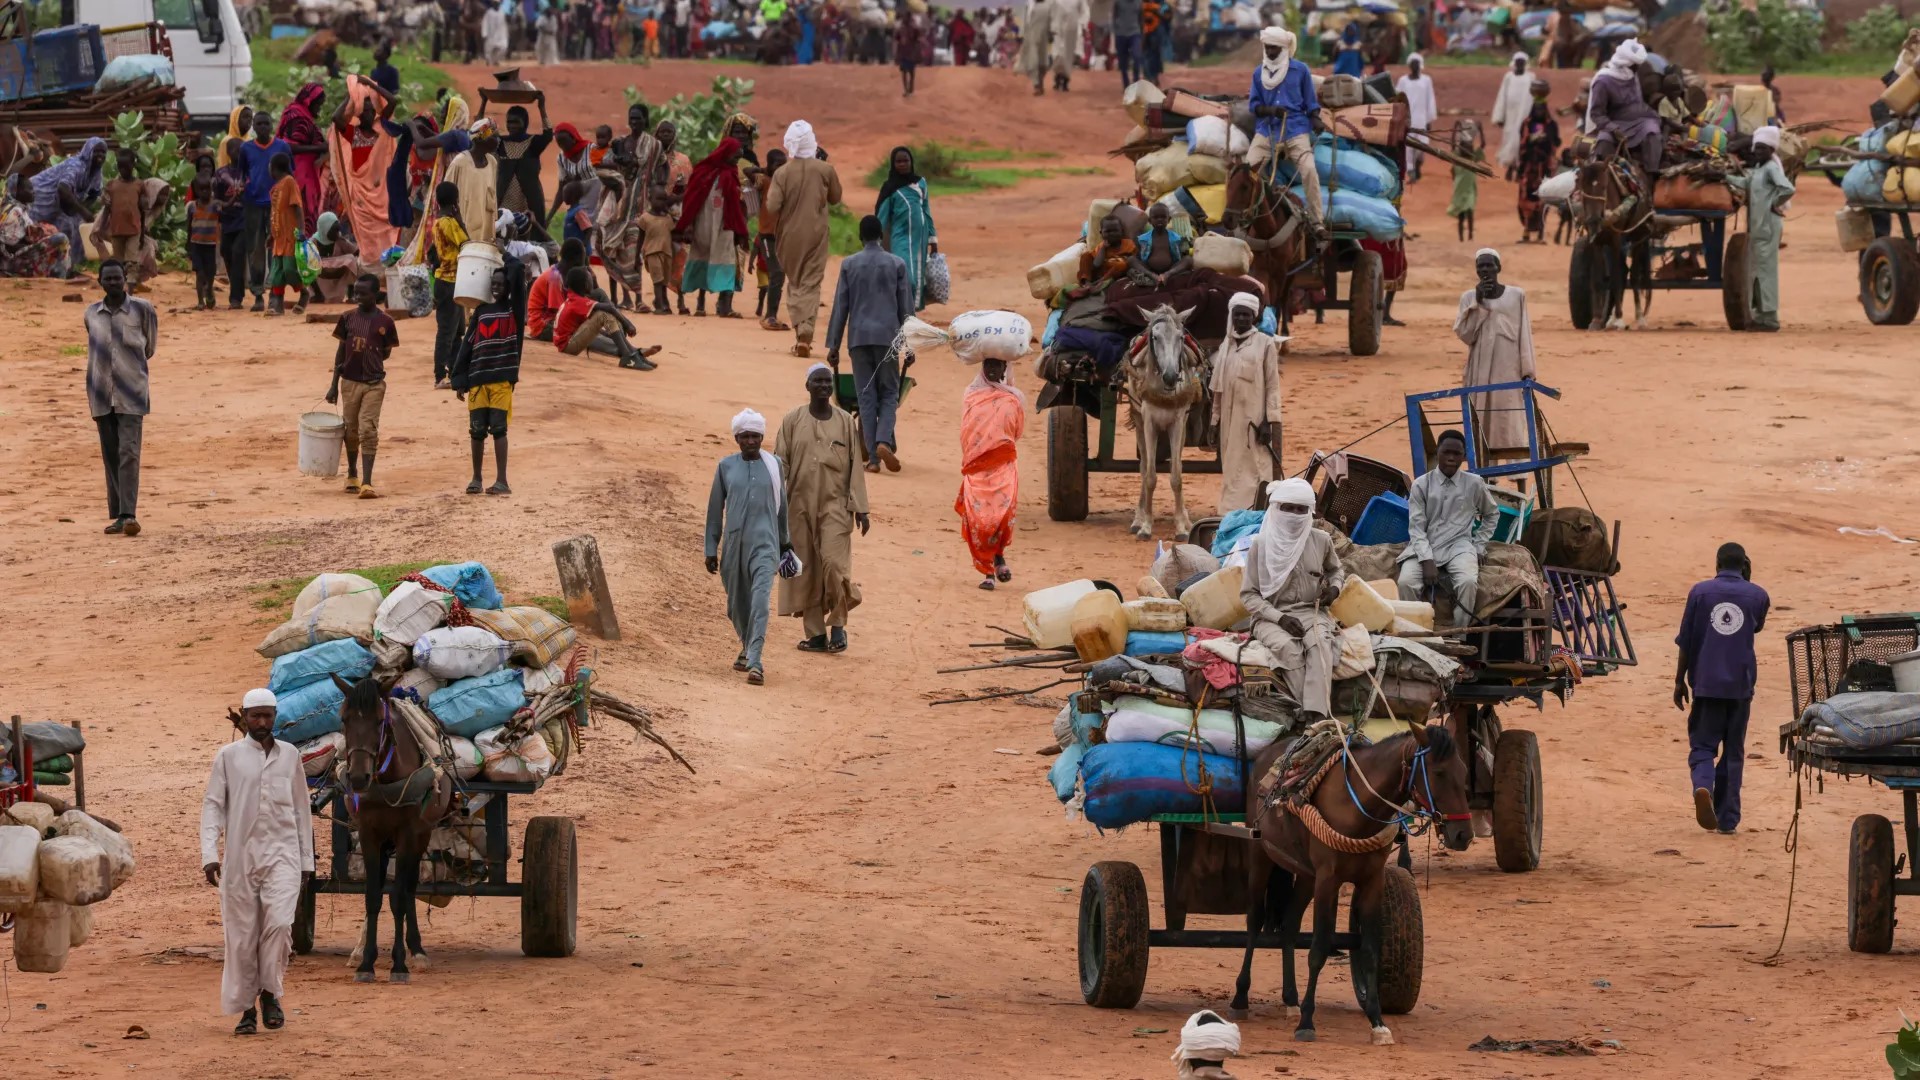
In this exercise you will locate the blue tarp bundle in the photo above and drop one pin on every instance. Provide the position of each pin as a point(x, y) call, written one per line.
point(471, 706)
point(1868, 720)
point(1155, 643)
point(469, 581)
point(1128, 783)
point(1236, 524)
point(309, 712)
point(346, 658)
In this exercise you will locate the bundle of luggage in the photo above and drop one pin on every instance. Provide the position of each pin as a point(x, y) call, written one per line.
point(51, 746)
point(53, 869)
point(447, 652)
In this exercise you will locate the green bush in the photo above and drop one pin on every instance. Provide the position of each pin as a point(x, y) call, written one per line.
point(1773, 34)
point(1881, 31)
point(698, 121)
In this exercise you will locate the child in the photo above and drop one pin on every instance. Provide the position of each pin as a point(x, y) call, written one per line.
point(488, 366)
point(126, 220)
point(650, 28)
point(602, 142)
point(449, 233)
point(367, 337)
point(203, 239)
point(589, 322)
point(284, 225)
point(1466, 182)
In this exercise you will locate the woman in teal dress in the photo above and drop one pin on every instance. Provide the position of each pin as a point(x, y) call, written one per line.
point(906, 212)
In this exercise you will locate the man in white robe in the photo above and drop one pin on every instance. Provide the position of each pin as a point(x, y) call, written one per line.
point(1511, 108)
point(1069, 25)
point(1498, 331)
point(1422, 107)
point(1246, 405)
point(256, 796)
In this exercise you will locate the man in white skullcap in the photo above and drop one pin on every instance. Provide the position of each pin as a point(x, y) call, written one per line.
point(1498, 330)
point(1285, 111)
point(1246, 405)
point(1292, 575)
point(826, 497)
point(1768, 191)
point(1510, 108)
point(746, 536)
point(1618, 116)
point(1422, 107)
point(799, 197)
point(257, 797)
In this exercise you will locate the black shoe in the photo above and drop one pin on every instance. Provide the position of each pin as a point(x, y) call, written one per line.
point(814, 644)
point(270, 1013)
point(837, 639)
point(119, 526)
point(248, 1025)
point(130, 527)
point(259, 304)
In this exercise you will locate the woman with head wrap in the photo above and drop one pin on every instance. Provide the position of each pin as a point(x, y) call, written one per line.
point(1291, 576)
point(518, 183)
point(365, 144)
point(746, 536)
point(1539, 147)
point(992, 417)
point(443, 137)
point(239, 126)
point(579, 184)
point(713, 222)
point(799, 197)
point(905, 210)
point(61, 193)
point(1246, 404)
point(300, 127)
point(1347, 58)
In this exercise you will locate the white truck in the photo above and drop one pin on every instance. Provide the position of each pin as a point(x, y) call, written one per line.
point(211, 58)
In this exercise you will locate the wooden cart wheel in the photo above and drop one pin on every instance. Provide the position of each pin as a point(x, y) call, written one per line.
point(1367, 302)
point(1870, 885)
point(1517, 804)
point(1580, 284)
point(303, 920)
point(550, 887)
point(1890, 282)
point(1113, 935)
point(1067, 463)
point(1403, 944)
point(1736, 283)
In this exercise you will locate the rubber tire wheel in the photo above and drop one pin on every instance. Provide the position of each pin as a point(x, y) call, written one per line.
point(550, 887)
point(1403, 943)
point(1518, 808)
point(1366, 299)
point(303, 914)
point(1736, 283)
point(1896, 258)
point(1067, 463)
point(1113, 935)
point(1870, 885)
point(1580, 284)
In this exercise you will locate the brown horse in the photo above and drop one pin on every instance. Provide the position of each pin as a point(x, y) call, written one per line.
point(1359, 800)
point(1275, 229)
point(396, 797)
point(1613, 211)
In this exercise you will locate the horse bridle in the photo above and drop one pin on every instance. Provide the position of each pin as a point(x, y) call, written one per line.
point(1416, 779)
point(385, 743)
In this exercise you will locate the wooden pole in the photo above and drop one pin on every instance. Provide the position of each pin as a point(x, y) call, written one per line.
point(79, 772)
point(583, 581)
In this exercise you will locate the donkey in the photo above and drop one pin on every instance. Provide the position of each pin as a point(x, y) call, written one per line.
point(1166, 377)
point(1356, 803)
point(1618, 242)
point(396, 797)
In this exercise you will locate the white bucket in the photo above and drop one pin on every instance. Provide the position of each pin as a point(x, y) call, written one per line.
point(1906, 672)
point(322, 437)
point(474, 285)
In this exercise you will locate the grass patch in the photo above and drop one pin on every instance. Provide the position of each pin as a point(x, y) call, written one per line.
point(274, 68)
point(552, 605)
point(1840, 62)
point(281, 594)
point(843, 230)
point(944, 166)
point(73, 350)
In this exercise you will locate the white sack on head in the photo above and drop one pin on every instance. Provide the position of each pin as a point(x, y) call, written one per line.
point(1217, 1040)
point(973, 336)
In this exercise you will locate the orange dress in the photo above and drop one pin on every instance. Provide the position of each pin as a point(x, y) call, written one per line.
point(991, 420)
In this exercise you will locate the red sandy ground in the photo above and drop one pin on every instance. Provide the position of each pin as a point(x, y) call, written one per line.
point(856, 885)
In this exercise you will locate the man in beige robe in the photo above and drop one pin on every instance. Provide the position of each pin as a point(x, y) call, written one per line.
point(818, 448)
point(1246, 405)
point(1291, 577)
point(799, 196)
point(1494, 322)
point(1036, 43)
point(473, 173)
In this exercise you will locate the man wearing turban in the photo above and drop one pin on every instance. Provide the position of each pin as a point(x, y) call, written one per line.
point(746, 536)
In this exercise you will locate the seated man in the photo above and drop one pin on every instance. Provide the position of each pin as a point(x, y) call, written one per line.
point(588, 322)
point(1163, 253)
point(1618, 116)
point(1107, 262)
point(1292, 575)
point(1450, 518)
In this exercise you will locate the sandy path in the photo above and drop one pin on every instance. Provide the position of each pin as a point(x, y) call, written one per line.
point(857, 883)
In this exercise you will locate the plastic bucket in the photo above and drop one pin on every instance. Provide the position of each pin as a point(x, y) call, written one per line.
point(474, 284)
point(322, 436)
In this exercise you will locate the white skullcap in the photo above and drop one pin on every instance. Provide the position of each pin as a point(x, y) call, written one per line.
point(1488, 251)
point(1767, 136)
point(1415, 58)
point(748, 420)
point(799, 140)
point(817, 366)
point(1519, 57)
point(260, 699)
point(1244, 300)
point(1277, 35)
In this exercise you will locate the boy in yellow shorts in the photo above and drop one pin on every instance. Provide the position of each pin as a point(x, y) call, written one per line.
point(488, 366)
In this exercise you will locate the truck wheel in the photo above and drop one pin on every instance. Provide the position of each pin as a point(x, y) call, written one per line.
point(303, 921)
point(1580, 284)
point(1403, 944)
point(1890, 282)
point(1517, 802)
point(1736, 283)
point(1113, 935)
point(1067, 463)
point(550, 887)
point(1870, 885)
point(1366, 301)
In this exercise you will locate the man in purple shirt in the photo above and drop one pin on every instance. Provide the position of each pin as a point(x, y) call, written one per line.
point(1717, 662)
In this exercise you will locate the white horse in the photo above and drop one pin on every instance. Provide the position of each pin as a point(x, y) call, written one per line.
point(1166, 377)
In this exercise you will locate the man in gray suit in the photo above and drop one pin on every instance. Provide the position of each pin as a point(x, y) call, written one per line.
point(871, 301)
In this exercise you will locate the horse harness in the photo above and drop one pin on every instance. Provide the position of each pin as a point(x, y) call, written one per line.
point(1283, 789)
point(418, 788)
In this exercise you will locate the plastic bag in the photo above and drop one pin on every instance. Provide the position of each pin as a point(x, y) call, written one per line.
point(345, 657)
point(306, 258)
point(470, 581)
point(460, 652)
point(939, 279)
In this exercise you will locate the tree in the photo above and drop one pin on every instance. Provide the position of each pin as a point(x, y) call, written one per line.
point(1774, 33)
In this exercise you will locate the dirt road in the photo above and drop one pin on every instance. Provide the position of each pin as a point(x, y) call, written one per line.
point(857, 885)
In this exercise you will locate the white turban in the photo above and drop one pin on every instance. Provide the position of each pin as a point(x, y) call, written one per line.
point(1767, 136)
point(1244, 300)
point(1415, 58)
point(260, 699)
point(1276, 550)
point(1273, 72)
point(1215, 1041)
point(1488, 251)
point(1518, 58)
point(1629, 53)
point(799, 140)
point(1277, 35)
point(748, 420)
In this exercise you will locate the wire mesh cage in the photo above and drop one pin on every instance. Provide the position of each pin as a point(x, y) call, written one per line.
point(1855, 653)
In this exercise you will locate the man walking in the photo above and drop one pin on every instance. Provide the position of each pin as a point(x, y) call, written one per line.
point(1716, 661)
point(367, 337)
point(746, 536)
point(1126, 40)
point(826, 497)
point(800, 195)
point(870, 302)
point(121, 333)
point(257, 796)
point(257, 155)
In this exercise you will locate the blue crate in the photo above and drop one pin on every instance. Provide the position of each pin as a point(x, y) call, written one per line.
point(63, 60)
point(1384, 521)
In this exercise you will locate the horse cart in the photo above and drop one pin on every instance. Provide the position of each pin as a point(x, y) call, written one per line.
point(1072, 456)
point(1855, 655)
point(1676, 249)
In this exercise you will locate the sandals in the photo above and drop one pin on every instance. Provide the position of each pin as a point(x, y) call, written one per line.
point(248, 1024)
point(740, 662)
point(729, 315)
point(499, 488)
point(1003, 572)
point(986, 584)
point(367, 492)
point(814, 644)
point(474, 488)
point(802, 350)
point(353, 485)
point(837, 640)
point(887, 458)
point(775, 325)
point(756, 677)
point(270, 1013)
